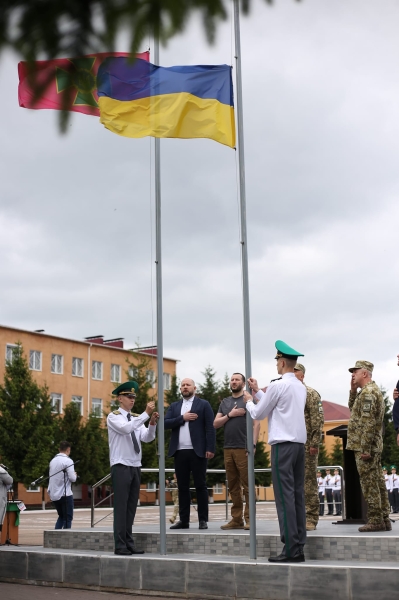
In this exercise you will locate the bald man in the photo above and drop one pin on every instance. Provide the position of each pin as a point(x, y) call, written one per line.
point(192, 443)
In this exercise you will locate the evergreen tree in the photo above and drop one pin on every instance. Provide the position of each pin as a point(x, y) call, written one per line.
point(93, 451)
point(26, 422)
point(172, 395)
point(69, 428)
point(337, 454)
point(210, 390)
point(323, 459)
point(390, 452)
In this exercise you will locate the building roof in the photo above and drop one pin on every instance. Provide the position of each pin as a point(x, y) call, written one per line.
point(335, 412)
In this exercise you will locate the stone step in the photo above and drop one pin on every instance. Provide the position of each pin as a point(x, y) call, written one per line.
point(337, 543)
point(196, 576)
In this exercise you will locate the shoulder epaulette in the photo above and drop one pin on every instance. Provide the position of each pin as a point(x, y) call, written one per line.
point(116, 412)
point(135, 414)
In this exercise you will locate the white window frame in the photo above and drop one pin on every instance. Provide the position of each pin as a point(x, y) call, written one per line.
point(53, 396)
point(167, 379)
point(116, 369)
point(150, 376)
point(94, 366)
point(218, 488)
point(80, 402)
point(151, 486)
point(33, 489)
point(133, 372)
point(10, 347)
point(56, 363)
point(34, 354)
point(101, 407)
point(76, 358)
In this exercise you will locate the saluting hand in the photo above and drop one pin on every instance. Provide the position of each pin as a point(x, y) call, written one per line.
point(150, 407)
point(353, 385)
point(189, 416)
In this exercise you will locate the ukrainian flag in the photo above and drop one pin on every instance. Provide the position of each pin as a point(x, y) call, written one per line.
point(141, 99)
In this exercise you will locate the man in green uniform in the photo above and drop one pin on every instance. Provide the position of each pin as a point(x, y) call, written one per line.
point(314, 420)
point(365, 439)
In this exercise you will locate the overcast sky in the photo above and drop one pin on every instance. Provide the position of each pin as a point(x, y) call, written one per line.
point(321, 119)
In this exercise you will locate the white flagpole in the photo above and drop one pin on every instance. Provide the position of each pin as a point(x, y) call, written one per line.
point(245, 279)
point(158, 262)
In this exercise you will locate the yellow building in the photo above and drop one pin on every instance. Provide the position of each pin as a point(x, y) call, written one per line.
point(81, 371)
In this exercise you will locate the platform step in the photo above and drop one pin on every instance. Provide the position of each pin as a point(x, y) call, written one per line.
point(373, 548)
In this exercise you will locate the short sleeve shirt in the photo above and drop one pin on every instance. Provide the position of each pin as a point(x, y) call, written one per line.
point(235, 430)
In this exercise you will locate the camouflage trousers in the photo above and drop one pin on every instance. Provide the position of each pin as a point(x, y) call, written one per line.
point(373, 487)
point(311, 488)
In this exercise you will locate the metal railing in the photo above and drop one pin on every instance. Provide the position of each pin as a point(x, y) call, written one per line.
point(210, 471)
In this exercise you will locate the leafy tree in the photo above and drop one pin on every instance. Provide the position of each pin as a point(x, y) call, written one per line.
point(26, 422)
point(69, 427)
point(93, 451)
point(172, 395)
point(390, 452)
point(337, 454)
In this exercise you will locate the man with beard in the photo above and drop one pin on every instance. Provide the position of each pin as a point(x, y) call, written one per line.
point(232, 416)
point(192, 443)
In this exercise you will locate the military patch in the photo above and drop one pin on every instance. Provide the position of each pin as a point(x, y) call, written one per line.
point(366, 407)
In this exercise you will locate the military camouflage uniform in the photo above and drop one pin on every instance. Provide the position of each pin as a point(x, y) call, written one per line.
point(314, 420)
point(365, 437)
point(174, 491)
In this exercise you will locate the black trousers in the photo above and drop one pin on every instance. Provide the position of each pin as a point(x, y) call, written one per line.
point(321, 504)
point(329, 496)
point(126, 484)
point(338, 501)
point(288, 474)
point(187, 462)
point(395, 500)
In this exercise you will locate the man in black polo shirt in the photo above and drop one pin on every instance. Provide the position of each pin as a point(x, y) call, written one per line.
point(232, 416)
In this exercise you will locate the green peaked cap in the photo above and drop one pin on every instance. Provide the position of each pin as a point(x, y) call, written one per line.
point(129, 387)
point(393, 467)
point(285, 351)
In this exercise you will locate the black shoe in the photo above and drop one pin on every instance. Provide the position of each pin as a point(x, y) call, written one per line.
point(282, 558)
point(203, 525)
point(135, 551)
point(180, 525)
point(123, 552)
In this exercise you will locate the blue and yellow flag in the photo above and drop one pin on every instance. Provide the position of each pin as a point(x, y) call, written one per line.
point(141, 99)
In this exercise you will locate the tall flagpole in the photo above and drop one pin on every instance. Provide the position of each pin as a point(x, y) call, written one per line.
point(245, 279)
point(158, 262)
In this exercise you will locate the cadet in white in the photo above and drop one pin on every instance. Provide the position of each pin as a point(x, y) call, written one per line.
point(125, 435)
point(395, 489)
point(320, 483)
point(329, 492)
point(336, 488)
point(284, 404)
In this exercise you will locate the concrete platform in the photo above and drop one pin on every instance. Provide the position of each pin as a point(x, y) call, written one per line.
point(199, 576)
point(328, 543)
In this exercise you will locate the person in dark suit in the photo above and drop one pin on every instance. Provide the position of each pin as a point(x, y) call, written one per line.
point(192, 443)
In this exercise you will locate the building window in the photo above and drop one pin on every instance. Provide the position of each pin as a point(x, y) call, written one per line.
point(133, 372)
point(56, 403)
point(218, 488)
point(78, 400)
point(31, 488)
point(35, 360)
point(77, 367)
point(96, 407)
point(97, 369)
point(151, 486)
point(116, 373)
point(151, 378)
point(10, 349)
point(57, 364)
point(166, 381)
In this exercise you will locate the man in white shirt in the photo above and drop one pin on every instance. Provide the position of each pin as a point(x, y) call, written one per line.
point(62, 474)
point(125, 434)
point(284, 404)
point(336, 482)
point(320, 485)
point(395, 489)
point(329, 492)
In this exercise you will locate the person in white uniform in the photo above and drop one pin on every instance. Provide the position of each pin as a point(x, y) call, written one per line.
point(321, 486)
point(395, 489)
point(329, 492)
point(283, 403)
point(62, 474)
point(126, 432)
point(336, 483)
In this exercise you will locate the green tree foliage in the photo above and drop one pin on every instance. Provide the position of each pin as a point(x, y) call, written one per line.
point(172, 395)
point(26, 422)
point(337, 454)
point(69, 428)
point(93, 451)
point(323, 459)
point(390, 453)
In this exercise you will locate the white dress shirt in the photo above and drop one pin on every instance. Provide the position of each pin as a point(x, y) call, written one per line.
point(121, 450)
point(58, 485)
point(336, 482)
point(327, 482)
point(388, 483)
point(320, 483)
point(394, 481)
point(184, 432)
point(284, 403)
